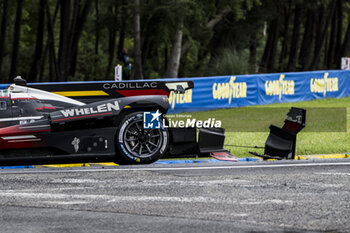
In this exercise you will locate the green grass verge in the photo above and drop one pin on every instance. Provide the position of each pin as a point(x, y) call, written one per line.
point(326, 131)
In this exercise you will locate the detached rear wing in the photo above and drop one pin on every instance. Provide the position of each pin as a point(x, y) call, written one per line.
point(89, 92)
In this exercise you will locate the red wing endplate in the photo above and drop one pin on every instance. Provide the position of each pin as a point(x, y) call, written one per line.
point(224, 156)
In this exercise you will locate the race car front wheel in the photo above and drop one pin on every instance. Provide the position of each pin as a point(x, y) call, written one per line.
point(137, 145)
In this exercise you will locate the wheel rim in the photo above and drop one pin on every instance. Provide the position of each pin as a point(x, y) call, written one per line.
point(142, 142)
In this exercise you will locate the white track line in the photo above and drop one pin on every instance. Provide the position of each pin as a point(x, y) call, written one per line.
point(118, 169)
point(58, 198)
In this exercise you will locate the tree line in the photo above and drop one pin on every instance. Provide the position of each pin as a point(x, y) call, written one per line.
point(67, 40)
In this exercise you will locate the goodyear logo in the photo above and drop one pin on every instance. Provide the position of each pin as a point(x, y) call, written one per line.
point(279, 87)
point(230, 90)
point(324, 85)
point(176, 98)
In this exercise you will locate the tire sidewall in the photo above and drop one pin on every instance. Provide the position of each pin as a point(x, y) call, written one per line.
point(124, 155)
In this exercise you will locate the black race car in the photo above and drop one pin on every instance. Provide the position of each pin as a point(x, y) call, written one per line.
point(38, 126)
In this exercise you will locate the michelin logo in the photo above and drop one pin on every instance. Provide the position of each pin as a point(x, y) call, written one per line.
point(75, 144)
point(107, 107)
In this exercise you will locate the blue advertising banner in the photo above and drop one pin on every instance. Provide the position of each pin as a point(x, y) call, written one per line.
point(259, 89)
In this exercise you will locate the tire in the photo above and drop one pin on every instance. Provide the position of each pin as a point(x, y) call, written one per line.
point(136, 145)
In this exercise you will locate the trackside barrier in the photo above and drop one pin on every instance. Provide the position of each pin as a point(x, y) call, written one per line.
point(261, 89)
point(258, 89)
point(16, 167)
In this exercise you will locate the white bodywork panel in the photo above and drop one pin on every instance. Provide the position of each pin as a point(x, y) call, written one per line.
point(42, 95)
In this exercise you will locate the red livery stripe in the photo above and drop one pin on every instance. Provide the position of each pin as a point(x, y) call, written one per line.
point(24, 98)
point(143, 92)
point(36, 131)
point(43, 107)
point(71, 118)
point(15, 130)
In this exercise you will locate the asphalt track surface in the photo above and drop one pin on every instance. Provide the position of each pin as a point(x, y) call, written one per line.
point(276, 196)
